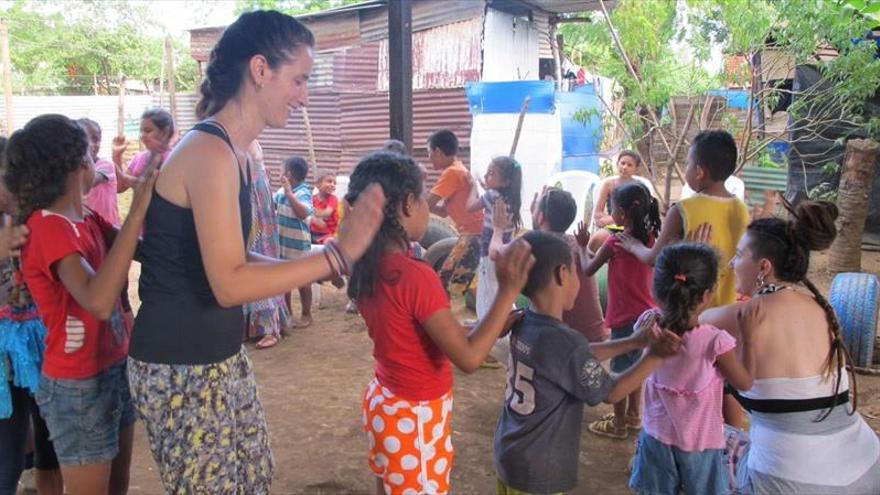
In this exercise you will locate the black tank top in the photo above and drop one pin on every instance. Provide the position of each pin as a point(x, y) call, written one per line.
point(180, 321)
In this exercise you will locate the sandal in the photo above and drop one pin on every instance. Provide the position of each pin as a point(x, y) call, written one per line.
point(490, 363)
point(634, 422)
point(268, 341)
point(607, 428)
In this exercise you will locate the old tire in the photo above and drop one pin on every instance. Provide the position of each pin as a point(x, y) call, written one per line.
point(437, 253)
point(854, 297)
point(437, 230)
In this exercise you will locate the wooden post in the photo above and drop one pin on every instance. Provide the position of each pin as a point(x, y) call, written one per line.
point(853, 201)
point(120, 107)
point(162, 79)
point(519, 124)
point(169, 59)
point(400, 70)
point(7, 73)
point(311, 142)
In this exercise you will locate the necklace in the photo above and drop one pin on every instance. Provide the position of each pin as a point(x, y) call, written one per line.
point(770, 288)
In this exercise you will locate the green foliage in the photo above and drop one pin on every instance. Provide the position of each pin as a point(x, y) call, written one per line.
point(88, 44)
point(291, 7)
point(649, 31)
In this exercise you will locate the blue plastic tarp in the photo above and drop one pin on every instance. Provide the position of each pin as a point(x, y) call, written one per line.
point(736, 98)
point(508, 97)
point(581, 141)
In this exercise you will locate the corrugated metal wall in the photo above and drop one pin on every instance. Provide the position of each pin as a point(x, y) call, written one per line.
point(102, 109)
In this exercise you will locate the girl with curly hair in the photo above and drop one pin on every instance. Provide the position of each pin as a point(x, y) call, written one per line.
point(75, 264)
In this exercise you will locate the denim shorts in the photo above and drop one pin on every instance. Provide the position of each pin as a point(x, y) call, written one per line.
point(665, 469)
point(85, 416)
point(623, 362)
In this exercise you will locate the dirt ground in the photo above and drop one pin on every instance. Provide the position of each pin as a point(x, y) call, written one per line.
point(311, 386)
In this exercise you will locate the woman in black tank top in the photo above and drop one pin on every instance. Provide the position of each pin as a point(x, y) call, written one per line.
point(192, 383)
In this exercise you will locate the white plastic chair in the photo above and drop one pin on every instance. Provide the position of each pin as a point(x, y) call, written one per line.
point(577, 182)
point(733, 184)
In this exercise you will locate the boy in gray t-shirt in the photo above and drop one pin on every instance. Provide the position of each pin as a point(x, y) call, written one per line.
point(553, 371)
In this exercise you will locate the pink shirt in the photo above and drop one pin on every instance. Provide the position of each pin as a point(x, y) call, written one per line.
point(683, 396)
point(102, 197)
point(140, 161)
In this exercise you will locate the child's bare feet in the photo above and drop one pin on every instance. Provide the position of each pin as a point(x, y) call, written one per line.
point(304, 322)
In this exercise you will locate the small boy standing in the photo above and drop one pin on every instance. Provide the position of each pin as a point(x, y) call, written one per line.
point(554, 211)
point(293, 202)
point(553, 370)
point(449, 198)
point(325, 218)
point(711, 160)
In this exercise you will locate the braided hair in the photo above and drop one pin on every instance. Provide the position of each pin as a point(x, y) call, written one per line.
point(637, 203)
point(682, 275)
point(399, 177)
point(787, 245)
point(39, 157)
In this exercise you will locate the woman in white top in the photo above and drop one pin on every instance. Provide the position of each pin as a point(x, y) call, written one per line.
point(805, 435)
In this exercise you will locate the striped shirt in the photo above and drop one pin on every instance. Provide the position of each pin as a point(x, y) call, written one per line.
point(294, 235)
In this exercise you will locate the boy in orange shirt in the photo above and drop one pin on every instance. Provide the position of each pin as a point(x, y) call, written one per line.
point(449, 198)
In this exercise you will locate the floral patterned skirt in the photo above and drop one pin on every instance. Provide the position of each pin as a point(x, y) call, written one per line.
point(205, 424)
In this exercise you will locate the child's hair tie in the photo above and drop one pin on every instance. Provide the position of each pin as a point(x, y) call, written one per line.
point(681, 277)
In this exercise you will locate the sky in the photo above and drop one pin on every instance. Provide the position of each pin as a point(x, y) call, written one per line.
point(180, 15)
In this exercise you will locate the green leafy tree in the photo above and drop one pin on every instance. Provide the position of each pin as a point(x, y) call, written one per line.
point(291, 7)
point(86, 47)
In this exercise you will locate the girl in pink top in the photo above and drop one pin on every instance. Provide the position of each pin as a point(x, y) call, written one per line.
point(102, 195)
point(681, 446)
point(629, 291)
point(158, 134)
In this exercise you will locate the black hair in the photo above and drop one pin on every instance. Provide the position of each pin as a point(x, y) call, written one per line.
point(444, 140)
point(787, 245)
point(550, 252)
point(88, 123)
point(559, 209)
point(160, 118)
point(394, 146)
point(715, 152)
point(511, 170)
point(297, 166)
point(39, 157)
point(323, 172)
point(634, 154)
point(271, 34)
point(637, 203)
point(399, 177)
point(682, 275)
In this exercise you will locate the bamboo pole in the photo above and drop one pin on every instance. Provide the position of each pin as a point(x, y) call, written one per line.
point(169, 59)
point(120, 107)
point(519, 124)
point(311, 141)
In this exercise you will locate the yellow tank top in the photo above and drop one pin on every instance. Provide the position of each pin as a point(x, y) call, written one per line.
point(729, 218)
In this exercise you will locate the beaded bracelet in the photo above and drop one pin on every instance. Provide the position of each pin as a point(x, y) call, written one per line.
point(341, 258)
point(331, 261)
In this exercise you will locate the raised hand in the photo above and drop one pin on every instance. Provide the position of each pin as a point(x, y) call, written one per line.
point(512, 266)
point(361, 222)
point(664, 343)
point(702, 234)
point(120, 144)
point(582, 235)
point(143, 187)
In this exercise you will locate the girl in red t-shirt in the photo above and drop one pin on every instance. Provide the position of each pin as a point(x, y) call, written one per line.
point(75, 279)
point(629, 290)
point(408, 405)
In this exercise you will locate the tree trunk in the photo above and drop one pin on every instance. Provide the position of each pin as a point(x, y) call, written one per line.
point(853, 201)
